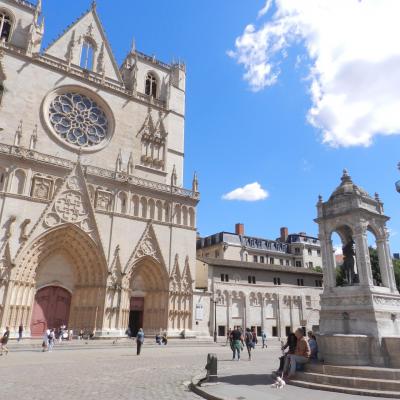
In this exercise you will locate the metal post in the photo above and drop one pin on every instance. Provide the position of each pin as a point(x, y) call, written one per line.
point(215, 320)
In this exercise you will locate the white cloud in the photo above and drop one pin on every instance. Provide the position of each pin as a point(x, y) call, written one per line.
point(338, 249)
point(249, 192)
point(265, 9)
point(354, 77)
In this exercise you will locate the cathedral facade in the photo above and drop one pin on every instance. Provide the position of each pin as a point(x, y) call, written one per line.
point(97, 232)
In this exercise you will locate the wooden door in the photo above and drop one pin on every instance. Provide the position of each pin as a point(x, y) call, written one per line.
point(51, 309)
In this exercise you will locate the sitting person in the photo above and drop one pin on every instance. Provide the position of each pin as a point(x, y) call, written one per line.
point(312, 342)
point(164, 339)
point(301, 354)
point(291, 343)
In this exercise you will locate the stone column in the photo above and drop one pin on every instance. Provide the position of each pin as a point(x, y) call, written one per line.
point(383, 262)
point(228, 310)
point(278, 314)
point(328, 261)
point(362, 257)
point(246, 309)
point(262, 299)
point(389, 265)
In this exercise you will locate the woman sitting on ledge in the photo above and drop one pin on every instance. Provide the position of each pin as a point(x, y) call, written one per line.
point(300, 356)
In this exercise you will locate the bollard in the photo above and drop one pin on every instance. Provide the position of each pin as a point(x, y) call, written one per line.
point(212, 367)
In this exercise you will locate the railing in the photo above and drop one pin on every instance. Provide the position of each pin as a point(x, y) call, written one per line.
point(34, 155)
point(91, 76)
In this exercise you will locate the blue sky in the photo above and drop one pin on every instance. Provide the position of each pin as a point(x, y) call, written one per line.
point(240, 131)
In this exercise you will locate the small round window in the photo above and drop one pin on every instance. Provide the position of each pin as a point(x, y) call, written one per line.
point(78, 119)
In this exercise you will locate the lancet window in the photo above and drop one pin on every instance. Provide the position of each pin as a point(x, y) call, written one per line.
point(5, 26)
point(87, 55)
point(151, 85)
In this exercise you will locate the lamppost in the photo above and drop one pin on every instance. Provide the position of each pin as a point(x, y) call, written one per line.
point(398, 182)
point(215, 300)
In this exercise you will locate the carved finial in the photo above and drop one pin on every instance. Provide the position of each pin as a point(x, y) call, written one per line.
point(377, 197)
point(319, 199)
point(133, 46)
point(117, 249)
point(94, 5)
point(346, 177)
point(195, 183)
point(130, 164)
point(174, 177)
point(119, 161)
point(34, 138)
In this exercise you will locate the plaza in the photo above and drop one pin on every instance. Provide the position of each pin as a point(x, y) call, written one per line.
point(101, 370)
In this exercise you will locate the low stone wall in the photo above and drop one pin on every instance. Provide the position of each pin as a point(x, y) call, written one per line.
point(360, 350)
point(392, 347)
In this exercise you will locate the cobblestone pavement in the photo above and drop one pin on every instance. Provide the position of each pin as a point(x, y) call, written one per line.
point(106, 373)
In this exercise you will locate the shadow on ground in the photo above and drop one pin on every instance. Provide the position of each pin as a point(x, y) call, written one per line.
point(247, 379)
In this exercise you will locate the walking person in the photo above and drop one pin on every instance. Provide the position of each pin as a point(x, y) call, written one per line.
point(248, 338)
point(139, 341)
point(20, 331)
point(264, 339)
point(51, 339)
point(4, 341)
point(237, 343)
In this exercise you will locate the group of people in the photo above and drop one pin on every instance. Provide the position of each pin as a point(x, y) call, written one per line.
point(298, 350)
point(238, 338)
point(162, 339)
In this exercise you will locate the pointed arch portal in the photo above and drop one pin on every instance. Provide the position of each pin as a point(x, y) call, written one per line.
point(60, 279)
point(147, 296)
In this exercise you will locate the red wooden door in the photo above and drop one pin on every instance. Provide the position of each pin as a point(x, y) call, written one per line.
point(51, 309)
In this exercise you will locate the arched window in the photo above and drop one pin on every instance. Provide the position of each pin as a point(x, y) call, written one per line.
point(151, 85)
point(135, 205)
point(143, 204)
point(5, 26)
point(159, 207)
point(18, 182)
point(87, 55)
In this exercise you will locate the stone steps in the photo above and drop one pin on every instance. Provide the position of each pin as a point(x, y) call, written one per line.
point(350, 381)
point(340, 389)
point(367, 381)
point(360, 372)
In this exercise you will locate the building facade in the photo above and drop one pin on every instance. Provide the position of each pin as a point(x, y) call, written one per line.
point(97, 231)
point(267, 292)
point(289, 250)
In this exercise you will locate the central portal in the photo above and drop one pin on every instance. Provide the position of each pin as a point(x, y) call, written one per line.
point(136, 314)
point(51, 309)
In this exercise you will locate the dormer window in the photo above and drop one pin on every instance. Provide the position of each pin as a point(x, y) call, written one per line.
point(151, 85)
point(5, 26)
point(87, 56)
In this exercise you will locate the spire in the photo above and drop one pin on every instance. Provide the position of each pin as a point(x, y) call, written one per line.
point(174, 177)
point(195, 183)
point(133, 46)
point(130, 164)
point(38, 11)
point(33, 141)
point(119, 161)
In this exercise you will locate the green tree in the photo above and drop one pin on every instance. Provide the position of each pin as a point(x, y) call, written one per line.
point(376, 272)
point(396, 267)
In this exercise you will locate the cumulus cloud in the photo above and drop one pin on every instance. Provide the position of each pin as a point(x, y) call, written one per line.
point(249, 192)
point(353, 61)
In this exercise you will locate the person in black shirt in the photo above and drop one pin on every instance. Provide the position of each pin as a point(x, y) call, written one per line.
point(291, 343)
point(237, 342)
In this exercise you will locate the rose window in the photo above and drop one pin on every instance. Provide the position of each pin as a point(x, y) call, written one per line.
point(78, 120)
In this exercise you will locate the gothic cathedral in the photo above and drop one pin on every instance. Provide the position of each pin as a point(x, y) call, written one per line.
point(97, 232)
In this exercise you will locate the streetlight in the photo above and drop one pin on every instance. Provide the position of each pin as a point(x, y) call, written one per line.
point(215, 300)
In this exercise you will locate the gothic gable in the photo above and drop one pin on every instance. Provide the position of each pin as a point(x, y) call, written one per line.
point(147, 247)
point(70, 205)
point(87, 28)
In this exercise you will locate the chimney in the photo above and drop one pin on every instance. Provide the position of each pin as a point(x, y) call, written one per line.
point(284, 234)
point(239, 229)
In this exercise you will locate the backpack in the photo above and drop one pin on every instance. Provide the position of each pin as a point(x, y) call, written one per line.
point(249, 337)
